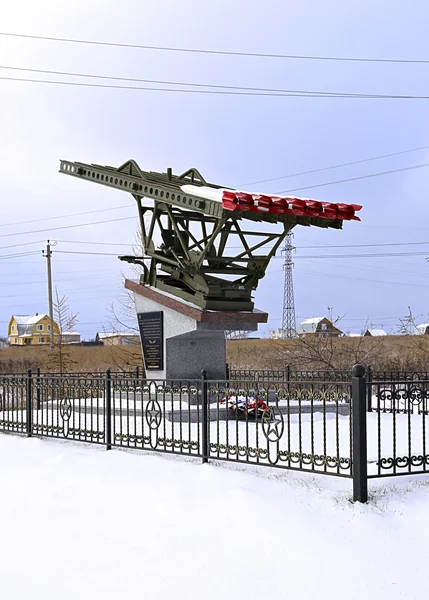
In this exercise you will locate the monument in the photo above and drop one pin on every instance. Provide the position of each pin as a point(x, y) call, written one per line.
point(205, 248)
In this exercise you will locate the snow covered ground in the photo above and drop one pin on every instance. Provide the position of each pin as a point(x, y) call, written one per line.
point(78, 522)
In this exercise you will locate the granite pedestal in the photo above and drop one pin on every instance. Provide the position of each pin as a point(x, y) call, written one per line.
point(193, 338)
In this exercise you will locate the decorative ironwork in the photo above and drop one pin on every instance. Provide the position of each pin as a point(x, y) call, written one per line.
point(9, 424)
point(243, 451)
point(272, 423)
point(87, 433)
point(42, 429)
point(290, 392)
point(317, 460)
point(153, 414)
point(178, 444)
point(402, 462)
point(65, 409)
point(402, 397)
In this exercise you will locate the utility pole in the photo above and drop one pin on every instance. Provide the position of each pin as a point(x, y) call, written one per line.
point(48, 255)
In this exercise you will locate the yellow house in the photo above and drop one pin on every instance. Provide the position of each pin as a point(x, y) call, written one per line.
point(26, 330)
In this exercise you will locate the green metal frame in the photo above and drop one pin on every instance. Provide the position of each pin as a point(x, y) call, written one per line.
point(205, 257)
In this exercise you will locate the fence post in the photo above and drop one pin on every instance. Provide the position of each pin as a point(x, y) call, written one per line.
point(288, 370)
point(205, 419)
point(359, 408)
point(369, 403)
point(28, 403)
point(108, 410)
point(137, 372)
point(38, 388)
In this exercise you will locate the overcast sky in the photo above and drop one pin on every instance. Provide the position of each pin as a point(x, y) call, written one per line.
point(232, 140)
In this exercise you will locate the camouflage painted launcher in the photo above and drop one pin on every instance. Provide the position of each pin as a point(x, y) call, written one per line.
point(204, 254)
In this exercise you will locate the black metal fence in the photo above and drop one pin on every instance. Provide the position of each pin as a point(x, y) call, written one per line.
point(136, 373)
point(355, 428)
point(290, 374)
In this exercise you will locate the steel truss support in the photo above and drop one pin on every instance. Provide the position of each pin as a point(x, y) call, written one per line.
point(211, 262)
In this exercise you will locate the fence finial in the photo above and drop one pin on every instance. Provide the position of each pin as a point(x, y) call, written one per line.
point(358, 370)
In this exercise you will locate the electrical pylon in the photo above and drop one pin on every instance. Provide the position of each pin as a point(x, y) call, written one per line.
point(288, 319)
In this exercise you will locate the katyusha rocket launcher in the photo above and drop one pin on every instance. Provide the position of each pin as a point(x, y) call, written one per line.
point(201, 242)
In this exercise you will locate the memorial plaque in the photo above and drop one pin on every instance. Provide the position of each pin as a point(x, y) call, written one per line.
point(151, 327)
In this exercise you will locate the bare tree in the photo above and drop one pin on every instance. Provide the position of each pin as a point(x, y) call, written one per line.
point(326, 351)
point(415, 344)
point(122, 318)
point(66, 321)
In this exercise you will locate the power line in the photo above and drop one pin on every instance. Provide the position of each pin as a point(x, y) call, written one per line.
point(9, 256)
point(362, 319)
point(286, 94)
point(89, 253)
point(380, 255)
point(217, 52)
point(31, 303)
point(367, 268)
point(67, 227)
point(181, 83)
point(362, 245)
point(363, 266)
point(308, 187)
point(152, 89)
point(106, 271)
point(346, 245)
point(27, 282)
point(375, 255)
point(177, 90)
point(5, 322)
point(68, 292)
point(89, 212)
point(364, 279)
point(347, 164)
point(281, 91)
point(19, 245)
point(94, 243)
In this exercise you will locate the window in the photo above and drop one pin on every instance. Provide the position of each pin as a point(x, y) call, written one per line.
point(40, 328)
point(49, 328)
point(41, 340)
point(324, 326)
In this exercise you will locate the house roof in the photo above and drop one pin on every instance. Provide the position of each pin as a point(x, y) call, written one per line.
point(313, 320)
point(309, 325)
point(376, 332)
point(25, 323)
point(28, 319)
point(422, 328)
point(104, 334)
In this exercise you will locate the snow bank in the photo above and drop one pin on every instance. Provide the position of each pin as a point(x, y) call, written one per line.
point(79, 522)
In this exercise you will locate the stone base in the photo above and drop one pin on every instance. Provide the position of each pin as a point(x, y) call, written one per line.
point(194, 351)
point(194, 338)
